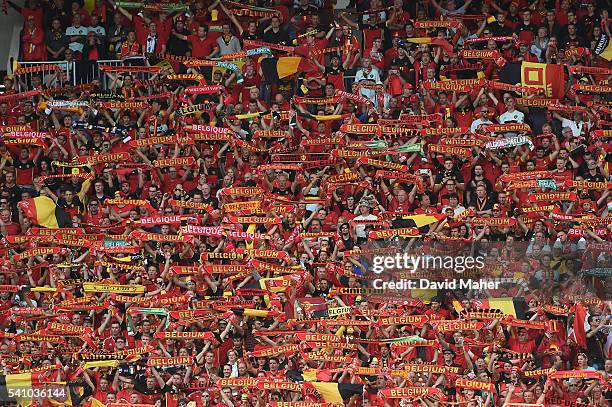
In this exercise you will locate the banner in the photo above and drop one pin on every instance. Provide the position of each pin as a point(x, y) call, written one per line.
point(113, 288)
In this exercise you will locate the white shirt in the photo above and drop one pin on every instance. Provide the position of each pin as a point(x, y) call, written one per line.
point(580, 245)
point(101, 31)
point(374, 76)
point(575, 126)
point(460, 10)
point(477, 123)
point(360, 228)
point(381, 14)
point(456, 211)
point(73, 31)
point(151, 43)
point(516, 117)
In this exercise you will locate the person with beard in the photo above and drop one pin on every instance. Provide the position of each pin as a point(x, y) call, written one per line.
point(176, 45)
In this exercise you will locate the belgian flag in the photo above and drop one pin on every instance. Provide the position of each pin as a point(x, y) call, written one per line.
point(336, 392)
point(256, 313)
point(548, 77)
point(310, 375)
point(328, 391)
point(43, 211)
point(515, 306)
point(418, 221)
point(274, 69)
point(441, 42)
point(74, 395)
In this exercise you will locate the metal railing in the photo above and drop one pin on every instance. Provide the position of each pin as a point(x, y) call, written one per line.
point(79, 72)
point(50, 76)
point(96, 72)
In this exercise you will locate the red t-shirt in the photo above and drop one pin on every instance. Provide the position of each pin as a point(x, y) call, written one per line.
point(201, 47)
point(141, 29)
point(522, 347)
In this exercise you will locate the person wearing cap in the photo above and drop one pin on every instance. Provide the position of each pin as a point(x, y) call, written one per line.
point(447, 359)
point(33, 41)
point(334, 72)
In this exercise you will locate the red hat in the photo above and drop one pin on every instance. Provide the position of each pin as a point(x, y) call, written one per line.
point(415, 99)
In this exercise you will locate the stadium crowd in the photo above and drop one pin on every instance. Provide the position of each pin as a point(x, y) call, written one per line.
point(194, 220)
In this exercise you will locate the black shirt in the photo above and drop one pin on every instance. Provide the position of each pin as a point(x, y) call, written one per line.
point(280, 37)
point(483, 204)
point(526, 27)
point(246, 36)
point(452, 174)
point(499, 30)
point(330, 70)
point(177, 46)
point(76, 203)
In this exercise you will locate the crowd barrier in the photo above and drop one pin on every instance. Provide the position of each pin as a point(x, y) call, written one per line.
point(79, 72)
